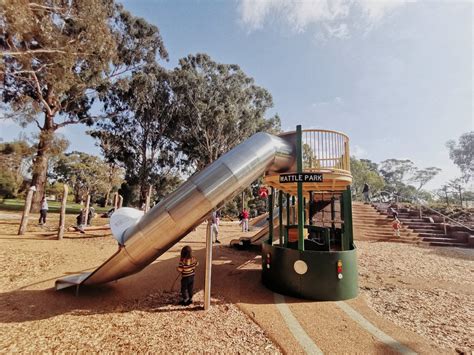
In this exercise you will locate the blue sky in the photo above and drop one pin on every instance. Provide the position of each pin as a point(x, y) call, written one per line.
point(395, 76)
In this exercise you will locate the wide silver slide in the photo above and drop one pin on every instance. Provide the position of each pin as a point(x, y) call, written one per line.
point(175, 216)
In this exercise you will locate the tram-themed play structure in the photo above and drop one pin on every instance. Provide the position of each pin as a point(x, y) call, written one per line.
point(313, 256)
point(309, 252)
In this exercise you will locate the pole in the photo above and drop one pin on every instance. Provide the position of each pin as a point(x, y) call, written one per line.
point(26, 210)
point(280, 217)
point(270, 216)
point(86, 211)
point(148, 198)
point(288, 210)
point(207, 281)
point(62, 216)
point(299, 169)
point(116, 198)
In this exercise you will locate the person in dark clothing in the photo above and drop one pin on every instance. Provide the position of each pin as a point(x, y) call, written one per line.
point(366, 193)
point(187, 267)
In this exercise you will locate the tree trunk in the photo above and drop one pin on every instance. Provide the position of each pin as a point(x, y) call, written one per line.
point(26, 212)
point(86, 210)
point(106, 200)
point(62, 216)
point(116, 201)
point(40, 164)
point(460, 194)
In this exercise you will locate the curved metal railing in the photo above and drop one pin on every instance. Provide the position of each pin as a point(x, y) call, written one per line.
point(421, 203)
point(325, 150)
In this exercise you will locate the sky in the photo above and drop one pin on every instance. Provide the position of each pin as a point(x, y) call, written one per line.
point(395, 76)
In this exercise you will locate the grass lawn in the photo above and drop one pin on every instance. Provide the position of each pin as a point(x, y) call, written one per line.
point(54, 206)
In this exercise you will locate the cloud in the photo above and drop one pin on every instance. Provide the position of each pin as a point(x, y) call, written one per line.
point(335, 101)
point(331, 16)
point(358, 151)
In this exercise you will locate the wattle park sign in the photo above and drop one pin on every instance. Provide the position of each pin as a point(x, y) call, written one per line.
point(302, 177)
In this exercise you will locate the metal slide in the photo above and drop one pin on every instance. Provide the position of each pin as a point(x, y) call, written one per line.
point(175, 216)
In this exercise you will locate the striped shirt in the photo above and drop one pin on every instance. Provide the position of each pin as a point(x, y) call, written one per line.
point(187, 267)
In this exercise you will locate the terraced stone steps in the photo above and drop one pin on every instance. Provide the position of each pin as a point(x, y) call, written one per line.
point(370, 225)
point(432, 233)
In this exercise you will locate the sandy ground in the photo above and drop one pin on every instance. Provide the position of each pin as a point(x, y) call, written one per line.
point(422, 297)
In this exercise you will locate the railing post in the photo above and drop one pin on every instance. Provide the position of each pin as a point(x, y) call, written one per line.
point(444, 226)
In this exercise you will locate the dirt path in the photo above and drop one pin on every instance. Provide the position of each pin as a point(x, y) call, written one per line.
point(138, 312)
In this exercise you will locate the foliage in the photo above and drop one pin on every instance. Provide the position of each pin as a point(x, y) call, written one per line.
point(136, 137)
point(394, 171)
point(15, 159)
point(362, 173)
point(58, 57)
point(423, 176)
point(216, 106)
point(86, 174)
point(462, 154)
point(8, 185)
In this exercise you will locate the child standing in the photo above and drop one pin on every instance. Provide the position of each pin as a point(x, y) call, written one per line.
point(245, 220)
point(396, 225)
point(187, 266)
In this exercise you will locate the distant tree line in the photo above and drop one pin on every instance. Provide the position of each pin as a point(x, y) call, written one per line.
point(403, 178)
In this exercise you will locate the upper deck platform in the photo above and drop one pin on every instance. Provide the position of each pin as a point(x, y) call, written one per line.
point(325, 152)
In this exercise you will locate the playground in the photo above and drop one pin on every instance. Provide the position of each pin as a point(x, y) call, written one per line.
point(423, 299)
point(382, 296)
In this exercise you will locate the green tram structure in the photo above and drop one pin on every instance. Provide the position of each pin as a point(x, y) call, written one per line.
point(311, 254)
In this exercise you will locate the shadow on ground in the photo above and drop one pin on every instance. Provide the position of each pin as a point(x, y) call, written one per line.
point(235, 277)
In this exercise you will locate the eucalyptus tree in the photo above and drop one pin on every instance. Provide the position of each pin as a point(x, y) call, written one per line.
point(396, 171)
point(423, 176)
point(86, 174)
point(137, 135)
point(57, 57)
point(362, 172)
point(217, 107)
point(462, 154)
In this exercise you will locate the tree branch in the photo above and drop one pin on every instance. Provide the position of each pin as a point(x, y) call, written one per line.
point(38, 124)
point(68, 122)
point(32, 4)
point(40, 94)
point(33, 51)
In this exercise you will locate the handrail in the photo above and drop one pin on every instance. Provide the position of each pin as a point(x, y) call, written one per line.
point(314, 130)
point(444, 216)
point(390, 195)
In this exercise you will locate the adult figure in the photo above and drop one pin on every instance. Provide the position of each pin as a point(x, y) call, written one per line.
point(245, 220)
point(366, 193)
point(215, 225)
point(43, 211)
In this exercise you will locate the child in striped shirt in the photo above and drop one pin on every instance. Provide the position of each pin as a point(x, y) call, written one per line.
point(187, 266)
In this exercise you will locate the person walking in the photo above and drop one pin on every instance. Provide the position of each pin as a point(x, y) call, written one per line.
point(366, 193)
point(43, 211)
point(187, 268)
point(245, 220)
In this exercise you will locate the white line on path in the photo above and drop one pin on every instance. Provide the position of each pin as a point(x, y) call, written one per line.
point(295, 327)
point(381, 336)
